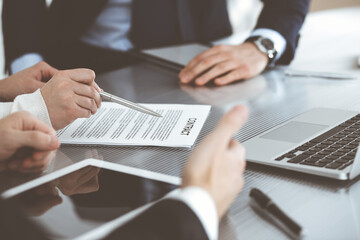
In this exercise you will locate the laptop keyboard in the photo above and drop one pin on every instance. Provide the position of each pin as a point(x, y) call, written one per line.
point(334, 149)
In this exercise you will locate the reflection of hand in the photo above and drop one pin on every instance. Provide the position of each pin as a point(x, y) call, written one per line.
point(224, 64)
point(26, 143)
point(82, 181)
point(218, 163)
point(71, 94)
point(39, 200)
point(26, 81)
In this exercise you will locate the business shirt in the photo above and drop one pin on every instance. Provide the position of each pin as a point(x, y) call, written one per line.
point(33, 103)
point(111, 30)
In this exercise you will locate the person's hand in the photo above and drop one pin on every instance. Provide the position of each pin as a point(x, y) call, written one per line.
point(26, 81)
point(224, 64)
point(71, 94)
point(82, 181)
point(218, 163)
point(26, 143)
point(39, 200)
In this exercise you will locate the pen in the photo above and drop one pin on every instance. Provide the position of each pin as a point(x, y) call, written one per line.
point(296, 73)
point(271, 210)
point(112, 98)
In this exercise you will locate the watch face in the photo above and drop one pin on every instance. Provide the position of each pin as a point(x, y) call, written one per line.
point(268, 44)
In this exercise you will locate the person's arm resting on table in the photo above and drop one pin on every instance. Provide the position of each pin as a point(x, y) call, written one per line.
point(279, 21)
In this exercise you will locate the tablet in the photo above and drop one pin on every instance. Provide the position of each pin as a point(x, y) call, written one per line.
point(76, 200)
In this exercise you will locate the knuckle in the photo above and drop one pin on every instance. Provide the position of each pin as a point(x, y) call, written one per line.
point(246, 69)
point(230, 55)
point(207, 61)
point(42, 64)
point(67, 98)
point(36, 137)
point(5, 133)
point(236, 75)
point(93, 93)
point(70, 109)
point(64, 84)
point(222, 67)
point(196, 59)
point(61, 74)
point(23, 114)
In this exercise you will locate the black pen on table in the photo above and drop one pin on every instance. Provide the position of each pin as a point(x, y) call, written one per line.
point(263, 203)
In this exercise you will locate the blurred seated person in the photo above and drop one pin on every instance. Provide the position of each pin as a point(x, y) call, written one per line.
point(68, 95)
point(211, 180)
point(96, 34)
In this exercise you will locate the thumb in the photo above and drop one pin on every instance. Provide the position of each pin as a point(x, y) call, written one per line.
point(35, 139)
point(230, 123)
point(46, 70)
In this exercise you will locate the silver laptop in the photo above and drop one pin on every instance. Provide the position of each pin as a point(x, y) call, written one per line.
point(321, 141)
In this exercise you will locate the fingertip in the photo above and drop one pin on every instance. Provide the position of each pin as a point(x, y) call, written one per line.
point(54, 142)
point(240, 110)
point(219, 81)
point(184, 79)
point(92, 74)
point(200, 82)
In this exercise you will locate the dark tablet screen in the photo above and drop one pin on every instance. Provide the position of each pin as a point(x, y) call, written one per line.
point(87, 198)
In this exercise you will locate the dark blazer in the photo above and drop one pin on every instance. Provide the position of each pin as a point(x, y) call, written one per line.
point(29, 26)
point(168, 219)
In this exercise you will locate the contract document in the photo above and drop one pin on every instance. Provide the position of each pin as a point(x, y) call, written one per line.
point(114, 124)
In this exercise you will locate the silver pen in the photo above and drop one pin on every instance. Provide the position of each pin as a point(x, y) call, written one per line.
point(112, 98)
point(296, 73)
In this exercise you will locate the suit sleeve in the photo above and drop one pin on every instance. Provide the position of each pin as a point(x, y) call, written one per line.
point(286, 17)
point(167, 219)
point(22, 27)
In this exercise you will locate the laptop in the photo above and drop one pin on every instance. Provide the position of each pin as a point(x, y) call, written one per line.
point(321, 141)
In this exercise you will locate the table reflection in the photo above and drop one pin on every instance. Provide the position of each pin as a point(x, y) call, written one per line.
point(86, 198)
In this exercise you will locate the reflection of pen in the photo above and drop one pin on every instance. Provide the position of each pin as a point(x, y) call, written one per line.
point(112, 98)
point(296, 73)
point(268, 207)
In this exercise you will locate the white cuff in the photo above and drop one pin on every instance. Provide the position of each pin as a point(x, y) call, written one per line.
point(278, 40)
point(33, 103)
point(25, 61)
point(202, 204)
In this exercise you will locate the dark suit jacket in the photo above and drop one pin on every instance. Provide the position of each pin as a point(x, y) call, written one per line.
point(29, 26)
point(168, 219)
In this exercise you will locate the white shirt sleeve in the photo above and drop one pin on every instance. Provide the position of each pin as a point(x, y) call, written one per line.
point(278, 40)
point(33, 103)
point(202, 204)
point(25, 61)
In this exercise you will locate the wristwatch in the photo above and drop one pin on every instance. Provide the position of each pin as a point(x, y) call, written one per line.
point(265, 45)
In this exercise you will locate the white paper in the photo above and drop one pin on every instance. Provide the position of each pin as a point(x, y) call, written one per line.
point(114, 124)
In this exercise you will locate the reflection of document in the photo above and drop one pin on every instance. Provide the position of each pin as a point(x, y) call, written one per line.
point(114, 124)
point(181, 54)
